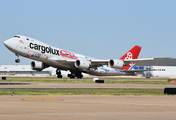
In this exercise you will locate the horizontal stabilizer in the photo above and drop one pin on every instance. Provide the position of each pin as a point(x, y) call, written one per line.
point(139, 70)
point(146, 59)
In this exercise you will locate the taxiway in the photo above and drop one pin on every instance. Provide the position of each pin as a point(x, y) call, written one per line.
point(83, 85)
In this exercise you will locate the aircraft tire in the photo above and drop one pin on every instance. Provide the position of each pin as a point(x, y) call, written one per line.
point(17, 60)
point(59, 76)
point(80, 76)
point(72, 77)
point(68, 75)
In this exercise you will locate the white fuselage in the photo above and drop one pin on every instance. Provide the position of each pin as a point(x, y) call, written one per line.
point(36, 50)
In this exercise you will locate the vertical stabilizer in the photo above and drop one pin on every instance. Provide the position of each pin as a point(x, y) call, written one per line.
point(131, 54)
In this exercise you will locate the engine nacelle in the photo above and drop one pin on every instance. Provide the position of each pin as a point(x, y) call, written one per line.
point(39, 66)
point(82, 64)
point(118, 64)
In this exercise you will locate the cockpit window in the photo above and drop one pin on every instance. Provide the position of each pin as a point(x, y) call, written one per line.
point(17, 36)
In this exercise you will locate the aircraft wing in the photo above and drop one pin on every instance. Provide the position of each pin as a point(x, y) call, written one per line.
point(98, 63)
point(94, 63)
point(105, 62)
point(53, 59)
point(64, 61)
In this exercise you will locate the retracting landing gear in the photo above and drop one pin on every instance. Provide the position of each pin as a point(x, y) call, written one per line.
point(75, 74)
point(17, 60)
point(58, 72)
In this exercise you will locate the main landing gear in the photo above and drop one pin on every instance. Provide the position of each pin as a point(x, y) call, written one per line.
point(75, 74)
point(17, 60)
point(58, 73)
point(71, 76)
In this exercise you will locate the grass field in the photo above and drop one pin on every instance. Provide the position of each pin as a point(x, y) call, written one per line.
point(81, 92)
point(108, 80)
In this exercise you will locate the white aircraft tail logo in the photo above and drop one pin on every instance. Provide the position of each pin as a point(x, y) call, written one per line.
point(129, 56)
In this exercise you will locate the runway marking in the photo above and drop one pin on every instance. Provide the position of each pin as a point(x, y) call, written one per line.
point(43, 99)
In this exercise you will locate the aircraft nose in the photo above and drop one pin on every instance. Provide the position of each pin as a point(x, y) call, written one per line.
point(8, 43)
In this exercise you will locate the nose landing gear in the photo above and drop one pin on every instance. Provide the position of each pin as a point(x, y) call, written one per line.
point(17, 60)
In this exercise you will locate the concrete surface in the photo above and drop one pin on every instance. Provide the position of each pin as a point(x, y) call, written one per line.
point(87, 85)
point(87, 107)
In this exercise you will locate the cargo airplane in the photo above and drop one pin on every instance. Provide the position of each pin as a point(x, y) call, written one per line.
point(77, 64)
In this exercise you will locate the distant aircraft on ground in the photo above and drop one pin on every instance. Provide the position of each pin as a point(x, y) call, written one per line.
point(77, 64)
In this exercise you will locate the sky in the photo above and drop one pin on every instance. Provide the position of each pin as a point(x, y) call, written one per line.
point(103, 29)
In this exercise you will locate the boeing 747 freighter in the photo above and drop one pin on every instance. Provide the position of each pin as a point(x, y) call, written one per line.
point(77, 64)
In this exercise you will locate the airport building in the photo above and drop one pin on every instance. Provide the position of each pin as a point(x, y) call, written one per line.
point(162, 68)
point(25, 70)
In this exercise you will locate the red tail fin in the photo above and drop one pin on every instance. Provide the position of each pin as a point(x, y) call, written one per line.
point(131, 54)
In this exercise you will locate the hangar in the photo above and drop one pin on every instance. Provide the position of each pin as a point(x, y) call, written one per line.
point(163, 68)
point(165, 62)
point(24, 70)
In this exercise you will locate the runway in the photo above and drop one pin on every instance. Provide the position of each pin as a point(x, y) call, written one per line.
point(88, 107)
point(82, 86)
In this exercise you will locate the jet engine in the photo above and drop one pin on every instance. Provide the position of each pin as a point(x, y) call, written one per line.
point(82, 64)
point(118, 64)
point(39, 66)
